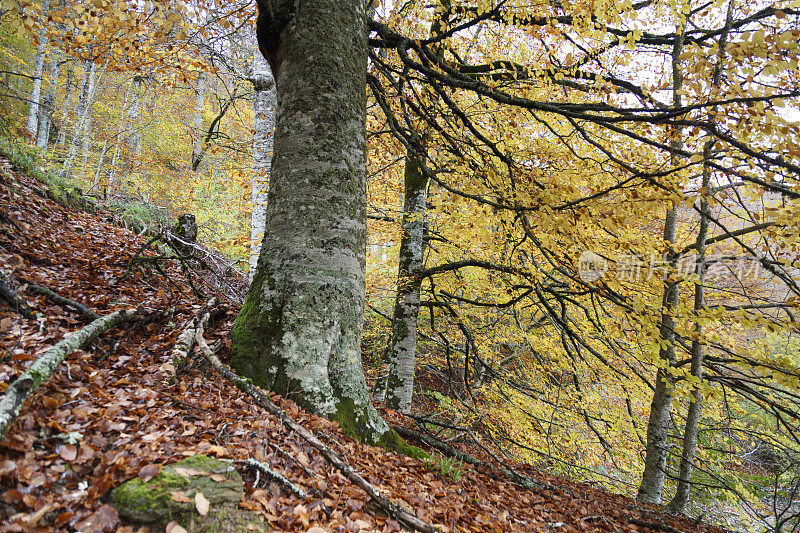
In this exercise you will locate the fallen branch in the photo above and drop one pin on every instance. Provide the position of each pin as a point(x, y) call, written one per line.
point(394, 510)
point(46, 364)
point(523, 481)
point(282, 480)
point(185, 341)
point(66, 302)
point(13, 299)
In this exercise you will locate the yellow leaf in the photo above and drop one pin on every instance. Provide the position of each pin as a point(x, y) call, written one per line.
point(201, 504)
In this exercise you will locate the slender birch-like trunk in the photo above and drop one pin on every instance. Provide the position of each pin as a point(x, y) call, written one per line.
point(36, 89)
point(403, 343)
point(658, 425)
point(197, 122)
point(46, 109)
point(681, 498)
point(264, 102)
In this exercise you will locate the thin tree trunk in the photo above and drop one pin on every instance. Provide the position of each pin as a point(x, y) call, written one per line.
point(46, 114)
point(403, 343)
point(86, 134)
point(80, 117)
point(96, 181)
point(681, 498)
point(197, 123)
point(658, 425)
point(264, 125)
point(62, 131)
point(36, 90)
point(112, 181)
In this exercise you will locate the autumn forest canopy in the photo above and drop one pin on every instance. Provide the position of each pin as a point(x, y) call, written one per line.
point(563, 234)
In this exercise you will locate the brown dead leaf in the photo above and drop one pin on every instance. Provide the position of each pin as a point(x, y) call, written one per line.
point(50, 403)
point(303, 459)
point(104, 519)
point(189, 472)
point(174, 527)
point(219, 451)
point(180, 496)
point(15, 262)
point(149, 472)
point(6, 324)
point(68, 452)
point(201, 504)
point(219, 478)
point(7, 466)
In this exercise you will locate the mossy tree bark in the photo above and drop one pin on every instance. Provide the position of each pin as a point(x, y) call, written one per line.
point(299, 331)
point(403, 344)
point(45, 365)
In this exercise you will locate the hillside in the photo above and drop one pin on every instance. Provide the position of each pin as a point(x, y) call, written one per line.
point(126, 410)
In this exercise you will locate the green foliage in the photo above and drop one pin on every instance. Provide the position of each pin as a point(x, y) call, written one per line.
point(27, 159)
point(137, 216)
point(445, 466)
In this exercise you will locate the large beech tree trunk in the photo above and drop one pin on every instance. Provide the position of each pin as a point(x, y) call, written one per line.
point(299, 331)
point(42, 368)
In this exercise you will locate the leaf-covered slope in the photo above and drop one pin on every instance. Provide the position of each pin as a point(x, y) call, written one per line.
point(114, 411)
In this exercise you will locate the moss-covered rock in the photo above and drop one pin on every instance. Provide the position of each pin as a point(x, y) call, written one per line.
point(171, 496)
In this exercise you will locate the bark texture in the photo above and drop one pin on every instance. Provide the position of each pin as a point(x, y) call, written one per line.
point(264, 104)
point(657, 452)
point(46, 109)
point(197, 122)
point(36, 89)
point(44, 366)
point(299, 331)
point(403, 344)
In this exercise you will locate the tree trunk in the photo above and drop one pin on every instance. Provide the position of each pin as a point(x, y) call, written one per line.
point(197, 124)
point(62, 131)
point(299, 331)
point(36, 90)
point(678, 503)
point(46, 114)
point(264, 125)
point(403, 344)
point(80, 116)
point(657, 451)
point(86, 133)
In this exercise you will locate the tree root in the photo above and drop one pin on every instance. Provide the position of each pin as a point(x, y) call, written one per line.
point(392, 509)
point(46, 364)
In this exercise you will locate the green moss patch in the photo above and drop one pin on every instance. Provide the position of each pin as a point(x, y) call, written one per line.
point(171, 496)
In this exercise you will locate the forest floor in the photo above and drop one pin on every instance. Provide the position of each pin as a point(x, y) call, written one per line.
point(121, 396)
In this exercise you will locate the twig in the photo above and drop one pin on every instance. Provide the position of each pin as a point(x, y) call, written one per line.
point(66, 302)
point(277, 476)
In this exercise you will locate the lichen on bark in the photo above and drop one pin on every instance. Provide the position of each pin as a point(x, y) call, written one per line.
point(299, 331)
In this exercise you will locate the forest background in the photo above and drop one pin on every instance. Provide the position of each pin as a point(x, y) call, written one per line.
point(588, 210)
